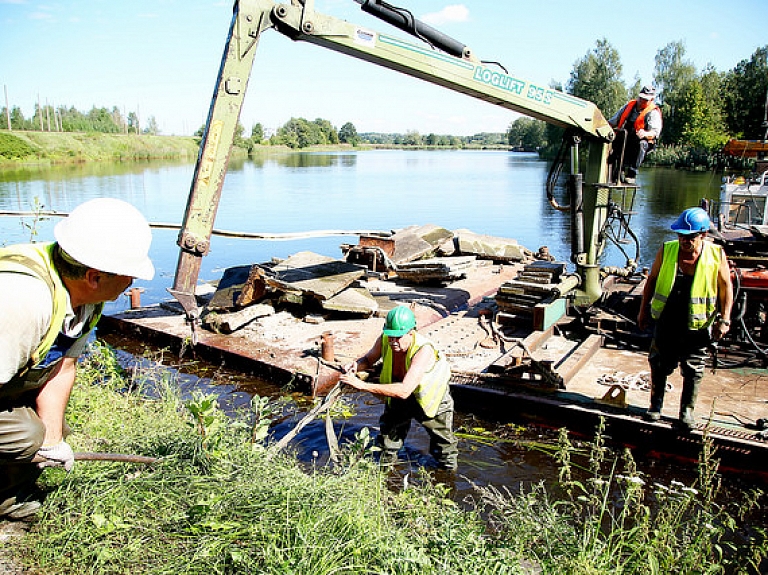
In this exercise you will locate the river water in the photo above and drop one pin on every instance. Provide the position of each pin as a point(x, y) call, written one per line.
point(489, 192)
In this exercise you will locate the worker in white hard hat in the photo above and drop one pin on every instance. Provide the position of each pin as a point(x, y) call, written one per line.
point(51, 296)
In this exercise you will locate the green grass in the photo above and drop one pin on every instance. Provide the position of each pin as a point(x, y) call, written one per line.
point(216, 503)
point(67, 147)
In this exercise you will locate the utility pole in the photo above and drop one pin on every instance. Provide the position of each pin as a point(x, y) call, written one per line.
point(7, 108)
point(39, 112)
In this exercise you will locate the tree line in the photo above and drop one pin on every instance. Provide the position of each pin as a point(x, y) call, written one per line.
point(702, 110)
point(302, 133)
point(48, 118)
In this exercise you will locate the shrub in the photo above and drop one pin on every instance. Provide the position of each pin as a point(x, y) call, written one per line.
point(12, 147)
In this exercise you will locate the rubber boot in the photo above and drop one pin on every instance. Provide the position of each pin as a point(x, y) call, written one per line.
point(388, 459)
point(658, 387)
point(688, 403)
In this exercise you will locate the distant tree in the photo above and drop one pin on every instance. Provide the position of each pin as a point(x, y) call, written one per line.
point(133, 124)
point(348, 134)
point(700, 119)
point(237, 137)
point(672, 74)
point(597, 78)
point(257, 133)
point(412, 138)
point(72, 120)
point(635, 88)
point(298, 133)
point(327, 133)
point(101, 120)
point(553, 135)
point(744, 94)
point(117, 118)
point(527, 133)
point(17, 119)
point(152, 127)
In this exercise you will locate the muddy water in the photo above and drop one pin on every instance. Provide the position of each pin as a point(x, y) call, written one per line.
point(488, 192)
point(513, 454)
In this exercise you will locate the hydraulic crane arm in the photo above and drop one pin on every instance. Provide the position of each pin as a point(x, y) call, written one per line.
point(439, 59)
point(465, 73)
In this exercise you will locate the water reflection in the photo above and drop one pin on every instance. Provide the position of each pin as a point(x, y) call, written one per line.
point(489, 192)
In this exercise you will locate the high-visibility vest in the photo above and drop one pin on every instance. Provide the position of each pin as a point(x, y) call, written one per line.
point(433, 385)
point(640, 120)
point(703, 299)
point(37, 260)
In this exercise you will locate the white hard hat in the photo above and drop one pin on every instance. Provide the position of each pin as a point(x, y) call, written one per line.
point(108, 235)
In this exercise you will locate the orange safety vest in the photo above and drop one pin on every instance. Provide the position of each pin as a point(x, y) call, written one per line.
point(640, 120)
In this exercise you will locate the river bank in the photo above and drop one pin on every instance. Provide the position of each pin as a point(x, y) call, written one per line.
point(32, 148)
point(222, 499)
point(23, 148)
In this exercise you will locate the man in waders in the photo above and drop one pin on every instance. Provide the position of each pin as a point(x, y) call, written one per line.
point(639, 122)
point(690, 296)
point(414, 380)
point(51, 296)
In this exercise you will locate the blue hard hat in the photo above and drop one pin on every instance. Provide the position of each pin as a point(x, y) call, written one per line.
point(692, 221)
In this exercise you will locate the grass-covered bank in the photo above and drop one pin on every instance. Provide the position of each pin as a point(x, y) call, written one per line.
point(65, 147)
point(216, 503)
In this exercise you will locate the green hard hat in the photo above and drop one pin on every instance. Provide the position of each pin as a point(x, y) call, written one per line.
point(400, 320)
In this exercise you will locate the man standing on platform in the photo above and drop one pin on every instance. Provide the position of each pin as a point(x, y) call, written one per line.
point(689, 294)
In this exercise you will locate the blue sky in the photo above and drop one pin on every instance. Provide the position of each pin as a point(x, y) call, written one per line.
point(161, 57)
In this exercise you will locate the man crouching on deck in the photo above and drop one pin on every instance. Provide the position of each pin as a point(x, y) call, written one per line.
point(414, 380)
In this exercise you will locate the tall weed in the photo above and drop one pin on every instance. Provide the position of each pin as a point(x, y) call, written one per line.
point(216, 503)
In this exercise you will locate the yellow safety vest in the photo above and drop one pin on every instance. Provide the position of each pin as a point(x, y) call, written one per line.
point(431, 389)
point(703, 300)
point(37, 260)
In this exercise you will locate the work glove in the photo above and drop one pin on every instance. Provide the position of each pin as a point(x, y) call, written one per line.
point(58, 455)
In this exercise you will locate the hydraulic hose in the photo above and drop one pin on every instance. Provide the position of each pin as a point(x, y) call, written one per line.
point(405, 21)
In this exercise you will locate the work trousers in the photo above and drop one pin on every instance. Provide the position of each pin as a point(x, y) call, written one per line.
point(673, 348)
point(395, 423)
point(21, 435)
point(634, 154)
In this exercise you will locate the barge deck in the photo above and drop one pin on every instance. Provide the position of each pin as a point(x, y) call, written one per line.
point(502, 371)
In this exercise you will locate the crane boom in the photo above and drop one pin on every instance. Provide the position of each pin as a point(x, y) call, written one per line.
point(439, 60)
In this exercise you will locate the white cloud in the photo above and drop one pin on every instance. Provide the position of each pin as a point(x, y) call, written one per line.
point(40, 16)
point(452, 13)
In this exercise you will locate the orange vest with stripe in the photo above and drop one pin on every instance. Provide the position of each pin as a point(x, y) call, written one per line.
point(640, 120)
